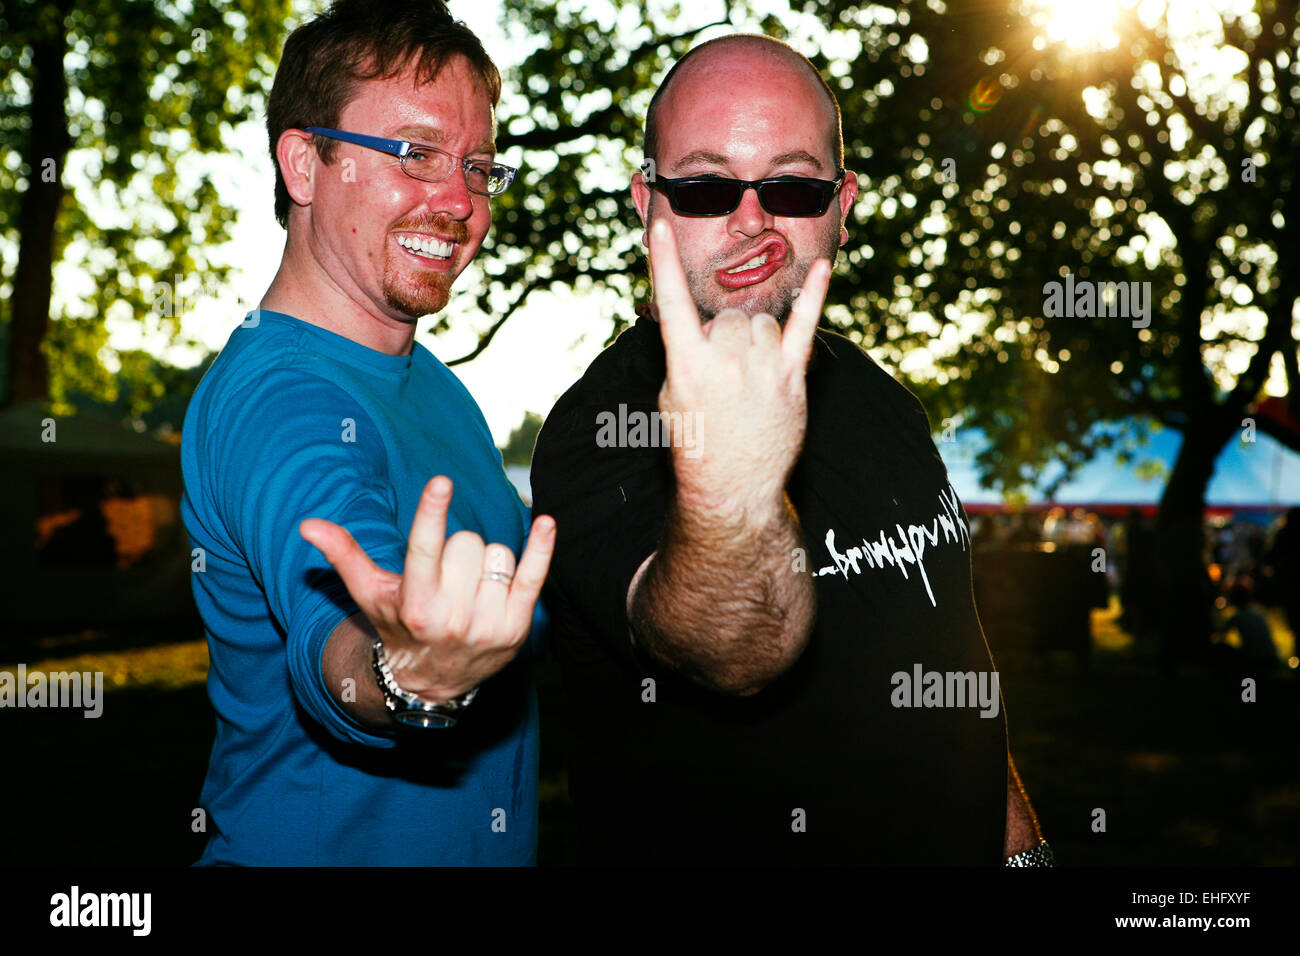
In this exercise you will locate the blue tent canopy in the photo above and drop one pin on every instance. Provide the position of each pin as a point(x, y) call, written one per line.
point(1259, 475)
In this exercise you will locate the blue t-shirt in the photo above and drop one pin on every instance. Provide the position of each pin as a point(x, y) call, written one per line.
point(292, 422)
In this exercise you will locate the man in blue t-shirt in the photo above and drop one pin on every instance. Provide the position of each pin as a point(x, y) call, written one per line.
point(379, 711)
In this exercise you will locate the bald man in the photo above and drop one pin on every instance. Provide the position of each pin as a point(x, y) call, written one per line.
point(762, 591)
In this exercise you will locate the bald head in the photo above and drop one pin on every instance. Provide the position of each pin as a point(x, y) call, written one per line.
point(726, 63)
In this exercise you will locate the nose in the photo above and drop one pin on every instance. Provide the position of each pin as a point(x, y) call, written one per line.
point(750, 218)
point(452, 196)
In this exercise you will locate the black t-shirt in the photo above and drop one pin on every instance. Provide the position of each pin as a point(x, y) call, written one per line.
point(819, 766)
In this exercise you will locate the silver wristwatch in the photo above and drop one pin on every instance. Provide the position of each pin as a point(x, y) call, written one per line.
point(408, 709)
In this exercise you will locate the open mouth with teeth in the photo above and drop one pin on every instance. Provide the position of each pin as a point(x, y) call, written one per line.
point(756, 267)
point(427, 247)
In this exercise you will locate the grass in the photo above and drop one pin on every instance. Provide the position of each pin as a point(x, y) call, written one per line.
point(1183, 769)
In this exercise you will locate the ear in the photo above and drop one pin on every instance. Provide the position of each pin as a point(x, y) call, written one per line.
point(298, 162)
point(641, 197)
point(848, 196)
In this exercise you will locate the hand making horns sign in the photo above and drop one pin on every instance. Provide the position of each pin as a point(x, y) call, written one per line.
point(460, 610)
point(742, 376)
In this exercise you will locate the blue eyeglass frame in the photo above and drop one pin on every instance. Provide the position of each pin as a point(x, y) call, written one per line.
point(400, 148)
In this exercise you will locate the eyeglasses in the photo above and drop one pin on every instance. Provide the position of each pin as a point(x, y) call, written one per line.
point(779, 195)
point(430, 164)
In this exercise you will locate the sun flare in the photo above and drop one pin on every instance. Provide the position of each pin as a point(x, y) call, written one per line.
point(1084, 24)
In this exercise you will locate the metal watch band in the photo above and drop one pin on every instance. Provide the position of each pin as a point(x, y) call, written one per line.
point(409, 709)
point(1040, 855)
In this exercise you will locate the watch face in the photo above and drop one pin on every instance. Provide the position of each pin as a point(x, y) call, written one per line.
point(422, 718)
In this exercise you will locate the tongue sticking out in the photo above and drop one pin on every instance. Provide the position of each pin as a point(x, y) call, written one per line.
point(756, 268)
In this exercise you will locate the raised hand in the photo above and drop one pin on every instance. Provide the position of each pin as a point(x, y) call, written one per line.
point(460, 610)
point(741, 380)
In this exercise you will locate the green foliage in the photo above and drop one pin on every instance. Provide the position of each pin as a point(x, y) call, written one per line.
point(153, 87)
point(518, 449)
point(1145, 186)
point(573, 109)
point(1042, 186)
point(955, 266)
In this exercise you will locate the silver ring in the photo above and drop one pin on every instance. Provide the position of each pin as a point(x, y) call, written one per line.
point(499, 576)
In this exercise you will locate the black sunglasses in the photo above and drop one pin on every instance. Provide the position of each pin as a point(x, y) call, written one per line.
point(780, 195)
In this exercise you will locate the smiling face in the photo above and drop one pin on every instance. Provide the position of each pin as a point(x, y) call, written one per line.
point(390, 243)
point(744, 111)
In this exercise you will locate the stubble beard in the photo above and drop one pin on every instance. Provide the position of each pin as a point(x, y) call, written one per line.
point(415, 296)
point(418, 293)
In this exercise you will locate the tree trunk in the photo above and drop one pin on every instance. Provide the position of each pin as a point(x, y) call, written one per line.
point(1186, 595)
point(47, 148)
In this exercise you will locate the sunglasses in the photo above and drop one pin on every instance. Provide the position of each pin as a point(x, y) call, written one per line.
point(779, 196)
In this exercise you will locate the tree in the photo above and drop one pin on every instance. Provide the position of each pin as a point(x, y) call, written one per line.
point(997, 159)
point(1000, 161)
point(573, 107)
point(105, 108)
point(105, 103)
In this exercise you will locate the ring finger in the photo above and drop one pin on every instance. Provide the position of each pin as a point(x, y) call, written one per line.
point(493, 587)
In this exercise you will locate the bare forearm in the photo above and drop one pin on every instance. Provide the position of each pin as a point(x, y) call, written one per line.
point(1023, 832)
point(720, 602)
point(349, 675)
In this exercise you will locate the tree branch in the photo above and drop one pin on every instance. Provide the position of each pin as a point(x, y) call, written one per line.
point(485, 339)
point(563, 276)
point(539, 138)
point(597, 122)
point(653, 42)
